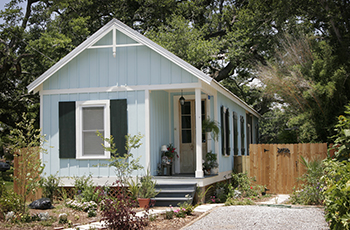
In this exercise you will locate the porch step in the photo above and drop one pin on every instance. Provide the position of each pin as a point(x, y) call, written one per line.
point(174, 193)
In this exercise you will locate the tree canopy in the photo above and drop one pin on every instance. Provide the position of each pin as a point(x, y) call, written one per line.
point(233, 41)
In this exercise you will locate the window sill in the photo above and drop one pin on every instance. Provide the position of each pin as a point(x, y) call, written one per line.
point(93, 158)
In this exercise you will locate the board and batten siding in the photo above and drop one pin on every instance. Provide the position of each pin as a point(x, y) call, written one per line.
point(226, 162)
point(132, 66)
point(73, 167)
point(159, 127)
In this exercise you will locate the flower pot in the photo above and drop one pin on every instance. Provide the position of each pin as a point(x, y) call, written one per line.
point(143, 202)
point(207, 171)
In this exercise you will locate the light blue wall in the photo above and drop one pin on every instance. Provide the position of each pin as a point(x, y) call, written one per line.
point(160, 125)
point(226, 162)
point(72, 167)
point(132, 66)
point(255, 130)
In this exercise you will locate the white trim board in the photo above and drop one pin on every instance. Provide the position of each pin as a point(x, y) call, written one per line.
point(121, 88)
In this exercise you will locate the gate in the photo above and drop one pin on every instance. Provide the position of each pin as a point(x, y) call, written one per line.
point(277, 166)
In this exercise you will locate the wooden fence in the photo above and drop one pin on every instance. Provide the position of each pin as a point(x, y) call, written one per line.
point(21, 169)
point(277, 166)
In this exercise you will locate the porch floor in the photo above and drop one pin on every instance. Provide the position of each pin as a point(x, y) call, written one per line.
point(188, 178)
point(184, 175)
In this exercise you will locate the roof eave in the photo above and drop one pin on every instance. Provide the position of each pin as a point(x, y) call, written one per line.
point(235, 98)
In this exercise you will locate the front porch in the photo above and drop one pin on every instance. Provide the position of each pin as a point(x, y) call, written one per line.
point(181, 125)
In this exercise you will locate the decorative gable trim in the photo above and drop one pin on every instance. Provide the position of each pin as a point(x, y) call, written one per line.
point(118, 25)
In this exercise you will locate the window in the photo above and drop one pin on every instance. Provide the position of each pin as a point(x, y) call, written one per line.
point(79, 121)
point(92, 116)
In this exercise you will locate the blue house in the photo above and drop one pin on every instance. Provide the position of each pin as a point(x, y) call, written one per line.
point(119, 82)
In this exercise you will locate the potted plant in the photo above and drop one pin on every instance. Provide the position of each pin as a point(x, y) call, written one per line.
point(211, 126)
point(147, 190)
point(134, 187)
point(170, 153)
point(209, 162)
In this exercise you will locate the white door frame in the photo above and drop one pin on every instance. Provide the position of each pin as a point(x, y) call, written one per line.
point(199, 170)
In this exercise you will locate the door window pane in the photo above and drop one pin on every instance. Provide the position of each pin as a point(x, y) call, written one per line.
point(186, 108)
point(186, 136)
point(186, 122)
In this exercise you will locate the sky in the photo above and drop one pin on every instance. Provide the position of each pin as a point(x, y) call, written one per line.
point(2, 6)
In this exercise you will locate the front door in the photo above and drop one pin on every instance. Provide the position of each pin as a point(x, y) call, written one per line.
point(187, 136)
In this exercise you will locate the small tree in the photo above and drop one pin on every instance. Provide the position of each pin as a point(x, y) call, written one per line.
point(26, 144)
point(124, 164)
point(341, 145)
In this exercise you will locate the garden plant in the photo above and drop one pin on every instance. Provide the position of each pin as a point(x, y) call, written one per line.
point(336, 178)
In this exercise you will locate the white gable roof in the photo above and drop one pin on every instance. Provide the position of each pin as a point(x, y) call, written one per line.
point(114, 23)
point(118, 25)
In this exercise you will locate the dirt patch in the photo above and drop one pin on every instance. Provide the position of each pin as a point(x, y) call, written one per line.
point(172, 224)
point(77, 218)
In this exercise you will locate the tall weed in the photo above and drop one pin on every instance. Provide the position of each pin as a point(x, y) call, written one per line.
point(312, 187)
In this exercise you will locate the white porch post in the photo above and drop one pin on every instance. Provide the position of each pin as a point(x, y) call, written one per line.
point(198, 114)
point(147, 131)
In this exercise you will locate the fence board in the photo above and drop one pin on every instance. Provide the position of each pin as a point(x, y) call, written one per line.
point(277, 166)
point(22, 171)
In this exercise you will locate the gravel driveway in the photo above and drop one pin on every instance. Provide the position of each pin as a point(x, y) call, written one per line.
point(262, 217)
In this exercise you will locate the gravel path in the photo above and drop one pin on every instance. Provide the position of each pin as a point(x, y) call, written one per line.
point(262, 217)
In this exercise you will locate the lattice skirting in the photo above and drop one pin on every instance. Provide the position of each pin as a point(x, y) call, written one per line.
point(112, 191)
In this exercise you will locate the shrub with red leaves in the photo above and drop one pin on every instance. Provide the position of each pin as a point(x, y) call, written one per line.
point(119, 214)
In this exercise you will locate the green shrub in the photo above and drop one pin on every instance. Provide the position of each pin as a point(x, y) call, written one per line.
point(337, 176)
point(153, 217)
point(10, 201)
point(85, 190)
point(337, 190)
point(2, 187)
point(239, 201)
point(50, 186)
point(243, 183)
point(221, 192)
point(169, 214)
point(92, 213)
point(187, 207)
point(7, 176)
point(311, 189)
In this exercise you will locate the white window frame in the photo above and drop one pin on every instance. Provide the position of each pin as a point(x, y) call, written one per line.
point(79, 127)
